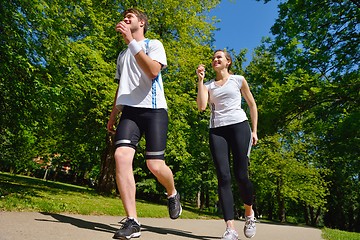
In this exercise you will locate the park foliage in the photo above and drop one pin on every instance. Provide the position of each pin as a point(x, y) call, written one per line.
point(56, 90)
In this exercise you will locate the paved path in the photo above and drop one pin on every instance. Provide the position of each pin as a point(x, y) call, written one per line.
point(45, 226)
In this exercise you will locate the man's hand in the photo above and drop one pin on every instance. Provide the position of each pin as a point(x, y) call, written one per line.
point(254, 138)
point(125, 31)
point(110, 126)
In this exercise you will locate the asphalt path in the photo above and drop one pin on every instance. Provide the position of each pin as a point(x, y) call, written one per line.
point(50, 226)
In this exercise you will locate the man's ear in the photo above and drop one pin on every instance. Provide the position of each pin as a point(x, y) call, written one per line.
point(142, 23)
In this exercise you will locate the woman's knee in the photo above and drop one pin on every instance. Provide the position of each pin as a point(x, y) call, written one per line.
point(242, 178)
point(224, 179)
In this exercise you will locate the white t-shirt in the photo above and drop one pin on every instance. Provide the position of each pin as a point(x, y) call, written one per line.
point(136, 89)
point(225, 102)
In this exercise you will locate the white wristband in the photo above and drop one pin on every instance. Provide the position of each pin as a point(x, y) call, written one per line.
point(134, 47)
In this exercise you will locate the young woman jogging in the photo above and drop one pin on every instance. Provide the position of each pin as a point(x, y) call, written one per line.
point(229, 130)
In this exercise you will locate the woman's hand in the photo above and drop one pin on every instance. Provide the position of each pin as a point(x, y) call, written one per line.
point(200, 71)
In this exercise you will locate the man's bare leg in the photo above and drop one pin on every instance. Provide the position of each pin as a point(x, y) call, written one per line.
point(163, 174)
point(125, 179)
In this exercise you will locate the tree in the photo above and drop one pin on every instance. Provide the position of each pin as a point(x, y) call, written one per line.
point(320, 41)
point(64, 80)
point(64, 55)
point(285, 172)
point(23, 97)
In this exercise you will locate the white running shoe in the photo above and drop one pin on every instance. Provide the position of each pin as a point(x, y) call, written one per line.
point(230, 234)
point(249, 228)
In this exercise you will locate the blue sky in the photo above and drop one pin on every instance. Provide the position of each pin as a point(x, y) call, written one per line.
point(243, 24)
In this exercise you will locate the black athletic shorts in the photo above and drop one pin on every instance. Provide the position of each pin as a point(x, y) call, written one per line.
point(153, 123)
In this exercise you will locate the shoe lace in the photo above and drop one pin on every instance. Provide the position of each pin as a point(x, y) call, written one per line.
point(229, 233)
point(172, 202)
point(125, 222)
point(250, 223)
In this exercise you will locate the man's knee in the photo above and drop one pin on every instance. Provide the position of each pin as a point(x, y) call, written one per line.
point(124, 154)
point(155, 165)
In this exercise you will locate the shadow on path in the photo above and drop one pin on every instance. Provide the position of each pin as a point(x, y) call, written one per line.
point(80, 223)
point(171, 231)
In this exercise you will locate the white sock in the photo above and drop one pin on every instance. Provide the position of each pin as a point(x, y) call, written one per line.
point(252, 216)
point(132, 218)
point(172, 195)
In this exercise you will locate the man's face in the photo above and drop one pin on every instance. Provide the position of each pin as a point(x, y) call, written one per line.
point(132, 21)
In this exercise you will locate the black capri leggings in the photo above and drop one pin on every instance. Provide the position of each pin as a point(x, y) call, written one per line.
point(135, 122)
point(237, 139)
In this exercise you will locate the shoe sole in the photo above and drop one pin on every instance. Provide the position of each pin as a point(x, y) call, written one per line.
point(249, 236)
point(134, 235)
point(173, 218)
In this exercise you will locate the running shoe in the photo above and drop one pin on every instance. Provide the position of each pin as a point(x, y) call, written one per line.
point(129, 229)
point(174, 206)
point(249, 228)
point(230, 234)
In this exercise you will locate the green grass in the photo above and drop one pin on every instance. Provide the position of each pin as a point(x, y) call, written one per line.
point(334, 234)
point(21, 193)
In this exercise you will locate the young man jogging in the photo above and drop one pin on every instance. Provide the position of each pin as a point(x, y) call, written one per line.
point(140, 99)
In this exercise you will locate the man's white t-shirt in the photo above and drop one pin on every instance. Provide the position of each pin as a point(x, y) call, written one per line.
point(225, 102)
point(136, 89)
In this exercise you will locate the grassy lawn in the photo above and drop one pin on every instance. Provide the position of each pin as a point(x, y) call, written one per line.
point(21, 193)
point(333, 234)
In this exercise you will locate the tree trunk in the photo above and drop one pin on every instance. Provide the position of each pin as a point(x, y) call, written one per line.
point(202, 198)
point(351, 219)
point(311, 209)
point(106, 181)
point(281, 202)
point(198, 202)
point(312, 217)
point(317, 216)
point(207, 198)
point(357, 221)
point(270, 208)
point(282, 216)
point(306, 215)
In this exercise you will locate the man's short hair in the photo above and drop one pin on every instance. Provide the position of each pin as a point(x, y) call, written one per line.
point(140, 15)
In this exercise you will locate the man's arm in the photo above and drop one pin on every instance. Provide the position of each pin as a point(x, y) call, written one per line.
point(150, 67)
point(114, 112)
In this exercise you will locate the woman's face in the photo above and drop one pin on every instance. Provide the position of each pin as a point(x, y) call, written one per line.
point(219, 61)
